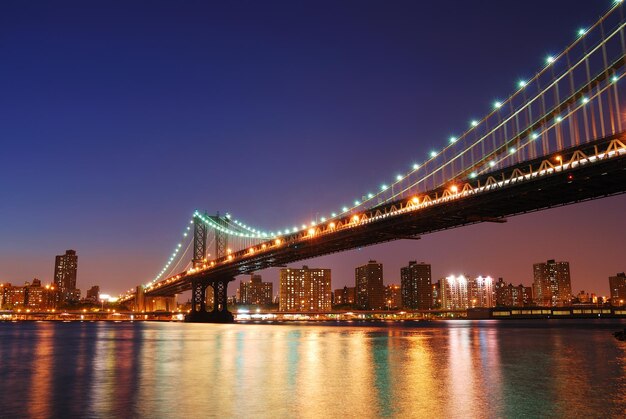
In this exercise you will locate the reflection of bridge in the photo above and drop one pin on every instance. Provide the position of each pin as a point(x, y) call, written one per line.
point(559, 139)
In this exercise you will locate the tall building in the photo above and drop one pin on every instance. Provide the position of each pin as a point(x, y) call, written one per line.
point(305, 289)
point(416, 286)
point(480, 292)
point(65, 268)
point(393, 296)
point(552, 285)
point(370, 291)
point(617, 284)
point(255, 291)
point(454, 293)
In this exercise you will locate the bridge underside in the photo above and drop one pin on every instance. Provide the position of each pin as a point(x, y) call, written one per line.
point(565, 185)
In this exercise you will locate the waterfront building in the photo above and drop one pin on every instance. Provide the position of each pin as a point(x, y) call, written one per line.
point(65, 270)
point(93, 294)
point(344, 296)
point(552, 284)
point(370, 291)
point(512, 296)
point(416, 286)
point(306, 289)
point(255, 291)
point(12, 297)
point(583, 297)
point(480, 292)
point(436, 294)
point(454, 293)
point(393, 296)
point(617, 285)
point(32, 296)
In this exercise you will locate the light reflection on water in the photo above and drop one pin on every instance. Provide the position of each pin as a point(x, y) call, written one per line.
point(444, 369)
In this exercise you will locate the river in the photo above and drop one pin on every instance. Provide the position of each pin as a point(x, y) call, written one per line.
point(443, 369)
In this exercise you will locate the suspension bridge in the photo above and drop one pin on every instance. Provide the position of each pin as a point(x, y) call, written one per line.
point(558, 139)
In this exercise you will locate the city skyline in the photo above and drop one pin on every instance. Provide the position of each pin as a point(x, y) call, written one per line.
point(118, 133)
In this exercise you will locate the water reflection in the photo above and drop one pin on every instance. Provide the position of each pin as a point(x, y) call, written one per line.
point(454, 369)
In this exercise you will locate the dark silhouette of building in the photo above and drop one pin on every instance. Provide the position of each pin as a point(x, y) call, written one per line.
point(344, 296)
point(93, 293)
point(255, 291)
point(617, 284)
point(416, 286)
point(65, 269)
point(436, 295)
point(552, 285)
point(370, 291)
point(512, 296)
point(393, 296)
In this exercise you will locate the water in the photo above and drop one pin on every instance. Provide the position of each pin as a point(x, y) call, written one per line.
point(458, 369)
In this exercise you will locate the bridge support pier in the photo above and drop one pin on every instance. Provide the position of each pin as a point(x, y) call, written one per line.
point(220, 313)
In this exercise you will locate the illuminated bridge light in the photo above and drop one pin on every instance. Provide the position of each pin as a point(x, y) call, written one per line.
point(311, 231)
point(333, 214)
point(416, 166)
point(497, 104)
point(512, 150)
point(474, 123)
point(550, 59)
point(522, 83)
point(323, 219)
point(582, 32)
point(614, 79)
point(369, 196)
point(534, 136)
point(415, 200)
point(585, 100)
point(492, 163)
point(331, 225)
point(452, 140)
point(357, 202)
point(454, 189)
point(355, 218)
point(398, 177)
point(382, 187)
point(344, 209)
point(559, 119)
point(473, 175)
point(277, 242)
point(433, 154)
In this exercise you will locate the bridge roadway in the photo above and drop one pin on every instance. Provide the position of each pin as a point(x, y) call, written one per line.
point(555, 180)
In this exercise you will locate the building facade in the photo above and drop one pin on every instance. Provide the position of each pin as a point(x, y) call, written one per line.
point(31, 296)
point(480, 292)
point(370, 291)
point(65, 270)
point(454, 292)
point(344, 296)
point(393, 296)
point(617, 285)
point(255, 291)
point(512, 296)
point(552, 285)
point(416, 286)
point(305, 290)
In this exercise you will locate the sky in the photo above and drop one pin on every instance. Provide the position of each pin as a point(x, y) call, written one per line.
point(118, 119)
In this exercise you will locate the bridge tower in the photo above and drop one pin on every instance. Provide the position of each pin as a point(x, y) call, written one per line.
point(221, 238)
point(199, 242)
point(219, 286)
